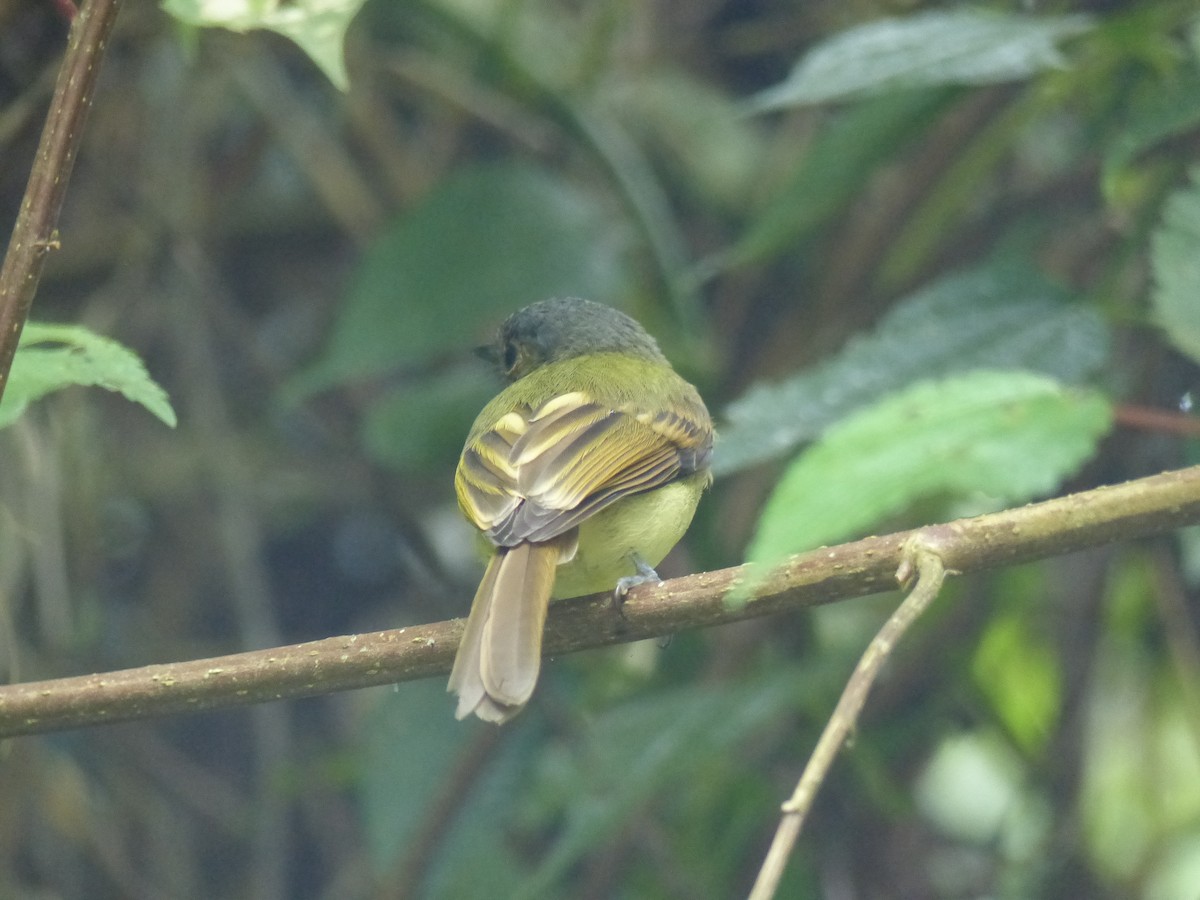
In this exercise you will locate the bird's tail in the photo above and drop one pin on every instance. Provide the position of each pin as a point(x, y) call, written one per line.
point(500, 655)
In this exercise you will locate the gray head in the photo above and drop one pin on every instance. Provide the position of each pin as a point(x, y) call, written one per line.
point(562, 328)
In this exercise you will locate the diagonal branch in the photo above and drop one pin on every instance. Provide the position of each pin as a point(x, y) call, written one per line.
point(35, 234)
point(1122, 512)
point(931, 574)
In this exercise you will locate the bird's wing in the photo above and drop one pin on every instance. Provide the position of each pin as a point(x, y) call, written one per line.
point(536, 474)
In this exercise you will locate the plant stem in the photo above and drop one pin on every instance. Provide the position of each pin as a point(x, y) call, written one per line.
point(35, 233)
point(924, 560)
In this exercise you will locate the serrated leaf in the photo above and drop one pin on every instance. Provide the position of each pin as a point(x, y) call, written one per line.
point(1175, 257)
point(1000, 316)
point(52, 357)
point(1010, 435)
point(955, 47)
point(318, 27)
point(486, 242)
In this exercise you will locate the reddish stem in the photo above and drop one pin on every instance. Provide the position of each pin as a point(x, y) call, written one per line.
point(66, 9)
point(1150, 419)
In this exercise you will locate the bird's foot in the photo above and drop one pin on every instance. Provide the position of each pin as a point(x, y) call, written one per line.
point(645, 575)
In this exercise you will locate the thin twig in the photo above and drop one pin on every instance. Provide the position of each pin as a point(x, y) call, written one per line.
point(927, 562)
point(35, 232)
point(1164, 421)
point(1123, 512)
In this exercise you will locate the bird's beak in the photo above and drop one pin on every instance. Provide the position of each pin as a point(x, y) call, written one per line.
point(489, 353)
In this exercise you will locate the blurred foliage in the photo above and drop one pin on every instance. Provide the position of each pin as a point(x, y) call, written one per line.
point(1177, 299)
point(858, 228)
point(996, 316)
point(966, 46)
point(525, 234)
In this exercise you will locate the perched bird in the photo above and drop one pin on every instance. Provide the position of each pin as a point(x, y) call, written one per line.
point(582, 474)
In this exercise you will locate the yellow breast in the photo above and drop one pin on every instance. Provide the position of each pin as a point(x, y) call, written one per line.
point(648, 524)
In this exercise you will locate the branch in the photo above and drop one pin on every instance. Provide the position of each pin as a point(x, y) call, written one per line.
point(1122, 512)
point(927, 562)
point(35, 234)
point(1152, 419)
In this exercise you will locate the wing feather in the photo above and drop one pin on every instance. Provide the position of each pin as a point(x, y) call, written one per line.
point(536, 474)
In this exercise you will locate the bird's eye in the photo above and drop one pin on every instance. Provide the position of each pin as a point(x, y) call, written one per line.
point(510, 356)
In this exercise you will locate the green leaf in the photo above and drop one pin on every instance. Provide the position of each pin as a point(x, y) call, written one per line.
point(833, 170)
point(52, 357)
point(1175, 257)
point(1017, 669)
point(1000, 316)
point(318, 27)
point(956, 47)
point(1010, 435)
point(486, 242)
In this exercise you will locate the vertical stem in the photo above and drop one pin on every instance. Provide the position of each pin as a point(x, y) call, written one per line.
point(35, 233)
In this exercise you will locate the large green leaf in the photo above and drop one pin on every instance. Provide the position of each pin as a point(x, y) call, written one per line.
point(1000, 316)
point(52, 357)
point(318, 27)
point(1009, 435)
point(1176, 261)
point(487, 241)
point(409, 741)
point(961, 46)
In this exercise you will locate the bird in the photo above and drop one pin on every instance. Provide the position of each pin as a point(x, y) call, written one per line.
point(581, 475)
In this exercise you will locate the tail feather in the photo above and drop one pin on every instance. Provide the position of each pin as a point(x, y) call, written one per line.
point(500, 655)
point(465, 679)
